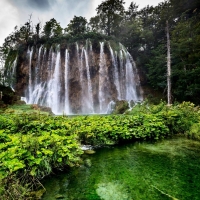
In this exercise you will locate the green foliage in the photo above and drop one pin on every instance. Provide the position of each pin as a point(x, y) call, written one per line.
point(194, 132)
point(186, 45)
point(178, 118)
point(94, 24)
point(77, 26)
point(157, 68)
point(32, 149)
point(52, 29)
point(110, 14)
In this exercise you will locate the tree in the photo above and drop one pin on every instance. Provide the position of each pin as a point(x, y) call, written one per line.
point(52, 29)
point(168, 66)
point(185, 56)
point(132, 11)
point(77, 25)
point(184, 6)
point(130, 35)
point(110, 13)
point(94, 24)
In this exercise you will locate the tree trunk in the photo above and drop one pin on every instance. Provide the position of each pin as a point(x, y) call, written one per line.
point(109, 25)
point(168, 66)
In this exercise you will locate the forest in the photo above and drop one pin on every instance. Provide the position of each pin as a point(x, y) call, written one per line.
point(142, 32)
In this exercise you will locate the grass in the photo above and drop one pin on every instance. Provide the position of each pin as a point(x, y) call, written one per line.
point(20, 109)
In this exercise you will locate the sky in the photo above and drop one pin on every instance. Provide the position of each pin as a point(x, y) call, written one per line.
point(17, 12)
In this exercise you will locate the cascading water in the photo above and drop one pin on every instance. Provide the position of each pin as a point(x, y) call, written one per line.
point(89, 91)
point(122, 75)
point(116, 74)
point(102, 80)
point(129, 81)
point(12, 74)
point(37, 69)
point(131, 78)
point(83, 80)
point(67, 106)
point(30, 87)
point(54, 100)
point(83, 98)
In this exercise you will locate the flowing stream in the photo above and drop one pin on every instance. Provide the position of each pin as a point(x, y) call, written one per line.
point(167, 169)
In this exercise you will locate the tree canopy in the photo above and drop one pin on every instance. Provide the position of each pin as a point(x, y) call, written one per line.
point(77, 26)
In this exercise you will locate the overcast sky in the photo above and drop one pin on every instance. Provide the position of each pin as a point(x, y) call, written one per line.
point(17, 12)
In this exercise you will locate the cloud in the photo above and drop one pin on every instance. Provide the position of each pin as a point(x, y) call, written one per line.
point(36, 4)
point(8, 20)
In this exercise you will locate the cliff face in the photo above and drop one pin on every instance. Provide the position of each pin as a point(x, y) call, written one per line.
point(78, 78)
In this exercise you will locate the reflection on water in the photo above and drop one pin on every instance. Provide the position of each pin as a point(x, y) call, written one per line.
point(164, 170)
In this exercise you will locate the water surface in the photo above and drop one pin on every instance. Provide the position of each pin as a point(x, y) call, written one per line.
point(168, 169)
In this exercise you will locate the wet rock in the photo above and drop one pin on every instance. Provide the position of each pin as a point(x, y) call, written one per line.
point(59, 196)
point(89, 151)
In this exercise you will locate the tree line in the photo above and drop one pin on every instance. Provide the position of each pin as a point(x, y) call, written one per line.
point(142, 32)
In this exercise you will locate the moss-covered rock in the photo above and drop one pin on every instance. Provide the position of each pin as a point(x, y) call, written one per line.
point(7, 95)
point(120, 107)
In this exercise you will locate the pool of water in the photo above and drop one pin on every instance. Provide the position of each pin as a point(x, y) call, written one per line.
point(168, 169)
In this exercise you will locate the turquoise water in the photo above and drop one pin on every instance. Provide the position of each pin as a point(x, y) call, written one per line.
point(168, 169)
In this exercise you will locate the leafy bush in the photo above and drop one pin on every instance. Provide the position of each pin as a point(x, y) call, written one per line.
point(194, 132)
point(178, 118)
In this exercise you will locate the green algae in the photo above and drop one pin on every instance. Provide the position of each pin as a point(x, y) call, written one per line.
point(167, 169)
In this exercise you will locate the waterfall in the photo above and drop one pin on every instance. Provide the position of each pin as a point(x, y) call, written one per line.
point(102, 79)
point(86, 85)
point(90, 96)
point(67, 106)
point(122, 75)
point(83, 81)
point(51, 63)
point(37, 69)
point(13, 74)
point(30, 86)
point(137, 86)
point(42, 68)
point(81, 68)
point(116, 74)
point(130, 80)
point(80, 62)
point(55, 85)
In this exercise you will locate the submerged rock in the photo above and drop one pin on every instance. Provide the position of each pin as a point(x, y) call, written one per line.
point(37, 194)
point(89, 151)
point(113, 190)
point(88, 163)
point(59, 196)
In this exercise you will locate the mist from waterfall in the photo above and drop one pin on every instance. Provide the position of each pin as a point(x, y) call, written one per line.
point(91, 86)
